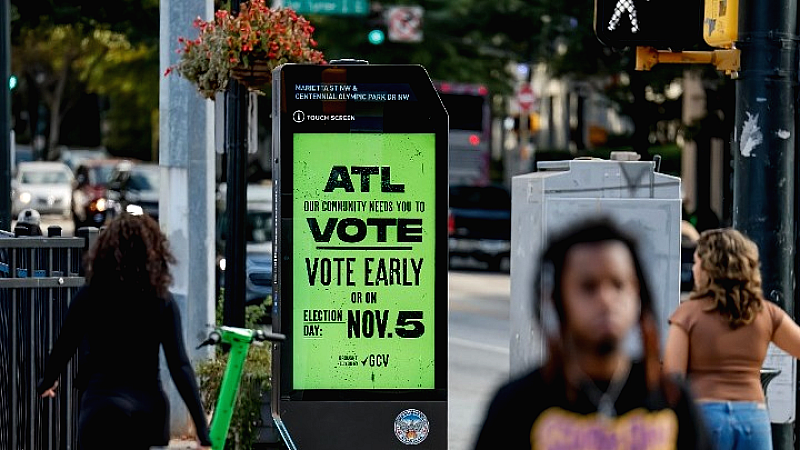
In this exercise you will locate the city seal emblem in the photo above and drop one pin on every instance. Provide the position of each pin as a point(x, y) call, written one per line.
point(411, 427)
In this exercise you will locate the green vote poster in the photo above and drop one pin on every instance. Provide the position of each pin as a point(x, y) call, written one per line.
point(364, 259)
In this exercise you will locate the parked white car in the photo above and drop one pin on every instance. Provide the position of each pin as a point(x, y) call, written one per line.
point(44, 186)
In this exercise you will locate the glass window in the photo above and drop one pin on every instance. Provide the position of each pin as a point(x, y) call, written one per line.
point(45, 177)
point(480, 197)
point(101, 175)
point(144, 180)
point(258, 228)
point(465, 112)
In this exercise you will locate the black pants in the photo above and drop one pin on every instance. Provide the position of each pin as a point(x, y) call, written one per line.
point(123, 418)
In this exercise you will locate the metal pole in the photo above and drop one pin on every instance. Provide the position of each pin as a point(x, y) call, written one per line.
point(236, 126)
point(5, 116)
point(763, 147)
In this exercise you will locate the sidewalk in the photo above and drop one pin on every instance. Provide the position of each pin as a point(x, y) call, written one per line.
point(177, 444)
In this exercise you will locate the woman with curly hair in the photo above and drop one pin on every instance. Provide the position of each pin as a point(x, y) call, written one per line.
point(718, 338)
point(125, 314)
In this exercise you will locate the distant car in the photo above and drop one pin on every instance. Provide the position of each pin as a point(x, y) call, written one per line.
point(89, 202)
point(479, 224)
point(134, 187)
point(44, 186)
point(73, 157)
point(259, 228)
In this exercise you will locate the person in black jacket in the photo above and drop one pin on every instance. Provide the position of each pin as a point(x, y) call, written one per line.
point(591, 393)
point(125, 314)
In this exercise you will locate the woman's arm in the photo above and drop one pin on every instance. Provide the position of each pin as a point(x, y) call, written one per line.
point(787, 336)
point(676, 353)
point(181, 371)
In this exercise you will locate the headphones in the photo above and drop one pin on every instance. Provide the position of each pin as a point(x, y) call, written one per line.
point(548, 317)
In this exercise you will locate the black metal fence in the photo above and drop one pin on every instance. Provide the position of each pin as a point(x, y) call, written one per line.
point(38, 278)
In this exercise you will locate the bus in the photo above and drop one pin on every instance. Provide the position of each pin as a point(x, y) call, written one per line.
point(469, 112)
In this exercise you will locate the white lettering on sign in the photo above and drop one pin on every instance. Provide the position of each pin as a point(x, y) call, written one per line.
point(622, 7)
point(345, 92)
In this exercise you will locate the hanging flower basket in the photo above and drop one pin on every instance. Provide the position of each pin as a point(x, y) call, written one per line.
point(257, 76)
point(245, 46)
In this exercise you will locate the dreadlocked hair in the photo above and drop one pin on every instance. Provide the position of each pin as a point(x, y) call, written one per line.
point(732, 264)
point(131, 252)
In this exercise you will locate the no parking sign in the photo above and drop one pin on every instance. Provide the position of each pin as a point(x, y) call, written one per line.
point(404, 23)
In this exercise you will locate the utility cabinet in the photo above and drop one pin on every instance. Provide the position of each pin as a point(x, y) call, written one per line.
point(560, 194)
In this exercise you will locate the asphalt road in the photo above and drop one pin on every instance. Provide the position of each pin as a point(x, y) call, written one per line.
point(479, 340)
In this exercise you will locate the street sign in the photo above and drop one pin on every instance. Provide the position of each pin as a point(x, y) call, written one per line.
point(525, 97)
point(404, 23)
point(663, 24)
point(721, 23)
point(361, 180)
point(329, 7)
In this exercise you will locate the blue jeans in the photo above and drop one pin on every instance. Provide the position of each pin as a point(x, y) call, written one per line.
point(737, 425)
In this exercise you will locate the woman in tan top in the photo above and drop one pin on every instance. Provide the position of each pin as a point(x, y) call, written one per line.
point(719, 339)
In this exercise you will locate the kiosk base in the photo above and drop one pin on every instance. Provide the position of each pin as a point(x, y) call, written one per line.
point(318, 425)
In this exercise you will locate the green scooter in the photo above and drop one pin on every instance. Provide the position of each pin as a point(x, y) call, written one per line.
point(239, 340)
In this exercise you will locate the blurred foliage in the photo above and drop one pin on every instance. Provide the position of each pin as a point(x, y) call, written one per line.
point(55, 64)
point(138, 20)
point(68, 51)
point(464, 41)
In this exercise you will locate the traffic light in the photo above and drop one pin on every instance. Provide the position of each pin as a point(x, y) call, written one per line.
point(376, 22)
point(376, 36)
point(663, 24)
point(12, 82)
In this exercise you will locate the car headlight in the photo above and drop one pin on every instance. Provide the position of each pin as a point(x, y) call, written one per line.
point(98, 205)
point(25, 197)
point(134, 210)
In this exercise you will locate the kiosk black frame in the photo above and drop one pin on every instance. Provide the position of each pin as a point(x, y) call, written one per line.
point(422, 113)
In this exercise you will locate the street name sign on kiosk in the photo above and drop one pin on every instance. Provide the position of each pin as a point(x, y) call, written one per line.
point(360, 183)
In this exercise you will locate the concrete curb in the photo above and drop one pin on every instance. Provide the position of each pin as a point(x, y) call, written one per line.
point(178, 444)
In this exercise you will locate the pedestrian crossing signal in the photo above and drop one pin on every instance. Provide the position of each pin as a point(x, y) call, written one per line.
point(663, 24)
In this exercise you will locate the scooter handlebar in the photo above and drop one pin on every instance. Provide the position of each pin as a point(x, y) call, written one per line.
point(261, 335)
point(213, 339)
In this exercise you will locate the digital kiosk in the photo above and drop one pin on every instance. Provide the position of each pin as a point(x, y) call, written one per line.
point(360, 183)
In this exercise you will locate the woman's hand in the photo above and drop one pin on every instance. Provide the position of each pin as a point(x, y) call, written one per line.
point(50, 393)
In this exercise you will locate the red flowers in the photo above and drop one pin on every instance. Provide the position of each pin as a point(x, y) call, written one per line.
point(256, 33)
